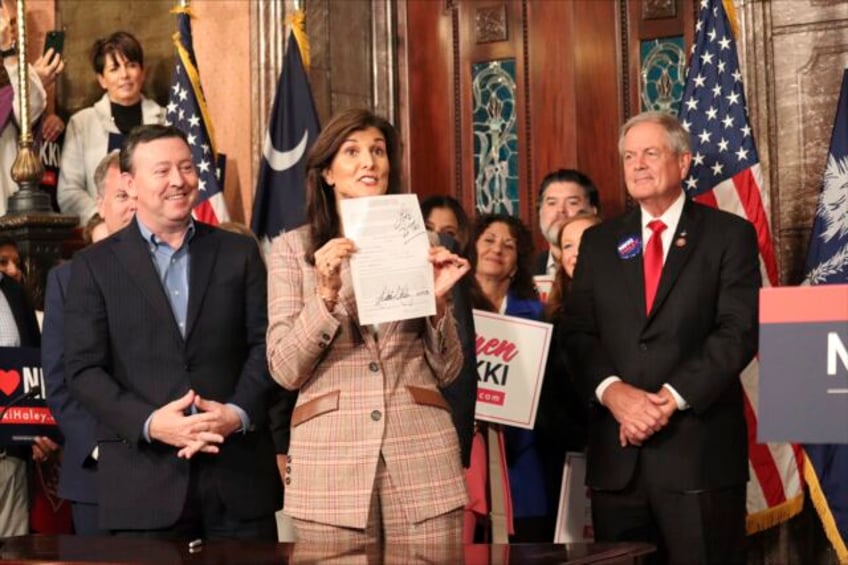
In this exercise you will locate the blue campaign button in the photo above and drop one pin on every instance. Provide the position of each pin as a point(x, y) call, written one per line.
point(629, 247)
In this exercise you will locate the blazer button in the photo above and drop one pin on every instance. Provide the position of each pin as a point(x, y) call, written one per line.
point(375, 368)
point(643, 346)
point(376, 415)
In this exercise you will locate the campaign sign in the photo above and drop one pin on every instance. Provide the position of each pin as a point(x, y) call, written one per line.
point(544, 284)
point(803, 389)
point(511, 358)
point(25, 413)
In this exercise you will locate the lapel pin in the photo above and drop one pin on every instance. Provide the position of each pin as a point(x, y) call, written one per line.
point(681, 239)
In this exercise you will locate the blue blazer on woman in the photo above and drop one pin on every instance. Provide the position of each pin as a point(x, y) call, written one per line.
point(526, 480)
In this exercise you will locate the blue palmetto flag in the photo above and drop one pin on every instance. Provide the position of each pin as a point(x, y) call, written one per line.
point(827, 263)
point(280, 201)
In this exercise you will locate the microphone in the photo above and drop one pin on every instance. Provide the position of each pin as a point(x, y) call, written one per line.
point(32, 393)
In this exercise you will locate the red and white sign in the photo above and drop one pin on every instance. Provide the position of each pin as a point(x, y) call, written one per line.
point(23, 408)
point(511, 358)
point(544, 284)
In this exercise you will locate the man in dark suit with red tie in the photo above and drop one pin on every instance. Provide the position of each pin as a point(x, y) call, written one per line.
point(165, 346)
point(661, 320)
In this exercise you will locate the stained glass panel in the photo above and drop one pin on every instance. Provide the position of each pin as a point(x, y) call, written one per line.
point(663, 75)
point(494, 117)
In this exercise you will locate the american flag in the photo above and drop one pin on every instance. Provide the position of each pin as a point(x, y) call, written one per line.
point(726, 173)
point(187, 110)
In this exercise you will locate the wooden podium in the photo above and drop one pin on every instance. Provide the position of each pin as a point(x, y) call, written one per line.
point(77, 549)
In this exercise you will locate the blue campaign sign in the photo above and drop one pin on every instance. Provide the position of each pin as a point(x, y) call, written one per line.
point(803, 393)
point(22, 404)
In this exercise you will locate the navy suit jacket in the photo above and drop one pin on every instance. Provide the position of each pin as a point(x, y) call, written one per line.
point(77, 475)
point(540, 264)
point(125, 357)
point(698, 337)
point(461, 394)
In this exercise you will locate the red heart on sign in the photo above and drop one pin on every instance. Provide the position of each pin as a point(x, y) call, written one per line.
point(9, 381)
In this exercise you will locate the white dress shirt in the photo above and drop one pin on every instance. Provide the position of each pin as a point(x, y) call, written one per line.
point(671, 217)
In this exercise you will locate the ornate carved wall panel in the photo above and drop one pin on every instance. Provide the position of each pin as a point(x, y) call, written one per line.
point(577, 72)
point(655, 40)
point(493, 101)
point(559, 62)
point(794, 56)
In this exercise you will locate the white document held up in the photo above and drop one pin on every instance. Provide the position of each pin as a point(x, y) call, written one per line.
point(392, 275)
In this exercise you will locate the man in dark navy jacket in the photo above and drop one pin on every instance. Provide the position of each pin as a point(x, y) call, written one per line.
point(165, 345)
point(79, 459)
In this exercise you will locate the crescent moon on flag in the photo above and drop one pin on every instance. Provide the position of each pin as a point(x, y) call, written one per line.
point(282, 160)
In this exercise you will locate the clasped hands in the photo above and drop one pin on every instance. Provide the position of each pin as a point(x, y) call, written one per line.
point(201, 432)
point(640, 414)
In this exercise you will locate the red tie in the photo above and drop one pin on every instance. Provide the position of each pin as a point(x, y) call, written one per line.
point(653, 262)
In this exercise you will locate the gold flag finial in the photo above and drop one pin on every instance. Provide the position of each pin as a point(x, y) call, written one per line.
point(297, 21)
point(731, 18)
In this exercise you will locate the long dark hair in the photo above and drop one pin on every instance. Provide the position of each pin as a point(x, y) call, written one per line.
point(321, 213)
point(521, 285)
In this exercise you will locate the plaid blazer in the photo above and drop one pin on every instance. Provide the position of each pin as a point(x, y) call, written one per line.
point(362, 396)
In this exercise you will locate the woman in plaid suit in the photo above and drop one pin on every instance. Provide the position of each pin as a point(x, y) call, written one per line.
point(373, 454)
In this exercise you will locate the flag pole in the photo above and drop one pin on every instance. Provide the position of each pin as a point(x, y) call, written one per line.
point(27, 169)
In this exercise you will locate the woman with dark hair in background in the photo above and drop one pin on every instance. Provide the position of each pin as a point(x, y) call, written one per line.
point(501, 252)
point(93, 132)
point(444, 215)
point(562, 418)
point(373, 452)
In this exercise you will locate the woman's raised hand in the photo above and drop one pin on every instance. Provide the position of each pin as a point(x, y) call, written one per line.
point(448, 268)
point(328, 262)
